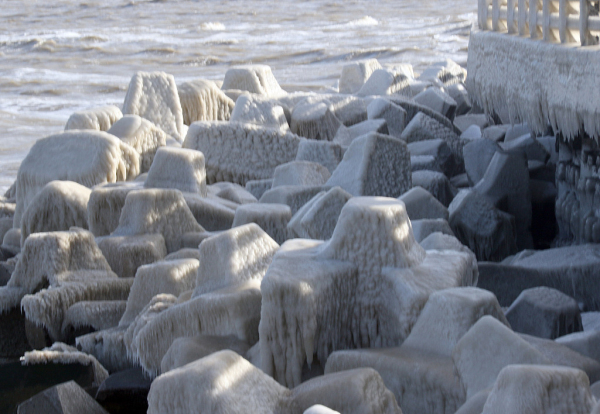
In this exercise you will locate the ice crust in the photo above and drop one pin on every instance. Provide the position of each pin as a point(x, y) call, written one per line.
point(99, 119)
point(202, 100)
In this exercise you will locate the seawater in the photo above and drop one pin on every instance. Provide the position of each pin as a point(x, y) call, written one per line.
point(61, 56)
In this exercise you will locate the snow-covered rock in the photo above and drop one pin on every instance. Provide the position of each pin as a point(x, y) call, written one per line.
point(142, 135)
point(85, 157)
point(314, 119)
point(437, 100)
point(376, 165)
point(328, 154)
point(272, 218)
point(178, 168)
point(477, 155)
point(264, 112)
point(99, 119)
point(60, 205)
point(354, 75)
point(385, 82)
point(436, 183)
point(394, 115)
point(256, 79)
point(304, 173)
point(295, 196)
point(202, 100)
point(420, 204)
point(105, 204)
point(126, 254)
point(153, 95)
point(241, 152)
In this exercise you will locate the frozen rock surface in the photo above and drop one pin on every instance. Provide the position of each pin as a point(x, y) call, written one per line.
point(540, 389)
point(380, 284)
point(374, 165)
point(328, 154)
point(241, 152)
point(420, 204)
point(394, 115)
point(435, 183)
point(256, 79)
point(178, 168)
point(202, 100)
point(153, 95)
point(264, 112)
point(437, 100)
point(99, 119)
point(354, 75)
point(85, 157)
point(315, 120)
point(300, 173)
point(142, 135)
point(64, 398)
point(272, 218)
point(544, 312)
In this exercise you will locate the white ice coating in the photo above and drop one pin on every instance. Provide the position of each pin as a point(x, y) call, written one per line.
point(142, 135)
point(559, 87)
point(157, 211)
point(254, 79)
point(313, 118)
point(241, 152)
point(85, 157)
point(540, 389)
point(256, 110)
point(105, 205)
point(354, 75)
point(222, 383)
point(272, 218)
point(178, 168)
point(60, 205)
point(386, 82)
point(97, 314)
point(49, 259)
point(172, 277)
point(300, 173)
point(153, 95)
point(202, 100)
point(100, 119)
point(126, 254)
point(380, 279)
point(60, 353)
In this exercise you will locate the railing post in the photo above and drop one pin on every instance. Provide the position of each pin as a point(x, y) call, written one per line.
point(562, 20)
point(522, 17)
point(510, 16)
point(533, 9)
point(546, 31)
point(583, 22)
point(482, 13)
point(495, 15)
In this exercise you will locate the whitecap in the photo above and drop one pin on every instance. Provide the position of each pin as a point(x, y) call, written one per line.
point(212, 26)
point(364, 21)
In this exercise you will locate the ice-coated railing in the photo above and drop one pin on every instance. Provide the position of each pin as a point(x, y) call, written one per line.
point(564, 21)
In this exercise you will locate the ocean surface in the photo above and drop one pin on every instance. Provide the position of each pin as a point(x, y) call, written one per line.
point(61, 56)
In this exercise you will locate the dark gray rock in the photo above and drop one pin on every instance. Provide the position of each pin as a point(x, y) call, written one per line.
point(437, 100)
point(544, 312)
point(459, 93)
point(477, 155)
point(13, 338)
point(125, 392)
point(66, 398)
point(437, 184)
point(439, 149)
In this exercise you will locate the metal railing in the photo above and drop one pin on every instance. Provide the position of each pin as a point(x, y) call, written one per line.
point(564, 21)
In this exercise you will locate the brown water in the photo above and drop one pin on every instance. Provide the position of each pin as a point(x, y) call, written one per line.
point(60, 56)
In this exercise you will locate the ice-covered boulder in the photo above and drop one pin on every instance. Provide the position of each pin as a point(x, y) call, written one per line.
point(355, 391)
point(459, 93)
point(157, 211)
point(448, 72)
point(423, 127)
point(105, 204)
point(350, 110)
point(464, 122)
point(142, 135)
point(241, 152)
point(94, 315)
point(264, 112)
point(485, 349)
point(272, 218)
point(487, 231)
point(60, 205)
point(99, 119)
point(222, 383)
point(258, 187)
point(378, 274)
point(445, 161)
point(202, 100)
point(126, 254)
point(314, 119)
point(328, 154)
point(295, 196)
point(318, 217)
point(178, 168)
point(321, 409)
point(506, 183)
point(477, 155)
point(436, 183)
point(232, 192)
point(540, 389)
point(354, 75)
point(374, 165)
point(256, 79)
point(345, 136)
point(385, 82)
point(300, 173)
point(544, 312)
point(394, 115)
point(425, 227)
point(437, 100)
point(420, 204)
point(153, 95)
point(85, 157)
point(64, 398)
point(420, 372)
point(173, 277)
point(586, 343)
point(186, 350)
